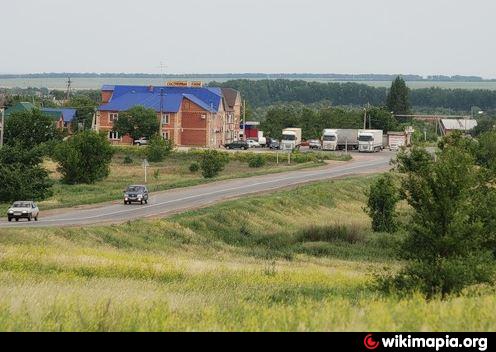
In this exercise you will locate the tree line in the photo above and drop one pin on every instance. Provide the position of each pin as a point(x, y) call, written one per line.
point(260, 93)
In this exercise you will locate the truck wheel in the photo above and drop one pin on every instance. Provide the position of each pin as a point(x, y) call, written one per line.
point(36, 218)
point(10, 219)
point(146, 201)
point(17, 219)
point(29, 218)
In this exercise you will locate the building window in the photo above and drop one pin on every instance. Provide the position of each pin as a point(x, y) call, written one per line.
point(113, 135)
point(165, 119)
point(166, 135)
point(113, 116)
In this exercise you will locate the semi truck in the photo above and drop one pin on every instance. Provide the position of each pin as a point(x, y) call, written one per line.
point(339, 139)
point(370, 141)
point(291, 139)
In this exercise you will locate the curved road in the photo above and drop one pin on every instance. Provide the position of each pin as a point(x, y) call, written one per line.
point(177, 200)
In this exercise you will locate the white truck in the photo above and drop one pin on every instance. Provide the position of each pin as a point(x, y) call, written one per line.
point(291, 139)
point(370, 141)
point(261, 139)
point(339, 139)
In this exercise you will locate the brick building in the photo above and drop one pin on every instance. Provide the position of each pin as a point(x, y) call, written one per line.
point(192, 115)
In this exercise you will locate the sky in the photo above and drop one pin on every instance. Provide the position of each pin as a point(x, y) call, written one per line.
point(271, 36)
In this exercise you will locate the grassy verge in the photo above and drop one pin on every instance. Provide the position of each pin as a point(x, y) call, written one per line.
point(293, 260)
point(172, 173)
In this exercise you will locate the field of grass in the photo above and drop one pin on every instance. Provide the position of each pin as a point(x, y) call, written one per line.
point(297, 260)
point(173, 172)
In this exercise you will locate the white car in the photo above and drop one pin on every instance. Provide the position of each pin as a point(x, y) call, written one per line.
point(253, 144)
point(23, 210)
point(141, 141)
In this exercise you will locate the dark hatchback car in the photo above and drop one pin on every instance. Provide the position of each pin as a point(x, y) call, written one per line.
point(274, 144)
point(136, 194)
point(237, 145)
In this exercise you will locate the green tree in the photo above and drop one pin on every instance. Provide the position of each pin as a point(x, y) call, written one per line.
point(382, 119)
point(158, 149)
point(398, 97)
point(451, 237)
point(383, 196)
point(21, 175)
point(30, 128)
point(84, 158)
point(86, 108)
point(138, 122)
point(212, 162)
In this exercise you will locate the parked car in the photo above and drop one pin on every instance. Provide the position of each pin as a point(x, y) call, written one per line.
point(237, 145)
point(136, 194)
point(23, 210)
point(274, 144)
point(314, 144)
point(141, 141)
point(253, 144)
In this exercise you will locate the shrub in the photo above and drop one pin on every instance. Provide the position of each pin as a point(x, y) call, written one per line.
point(194, 167)
point(21, 176)
point(256, 161)
point(381, 206)
point(128, 160)
point(84, 158)
point(30, 128)
point(451, 236)
point(158, 149)
point(212, 162)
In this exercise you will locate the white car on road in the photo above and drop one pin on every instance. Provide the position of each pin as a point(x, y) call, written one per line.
point(253, 144)
point(23, 210)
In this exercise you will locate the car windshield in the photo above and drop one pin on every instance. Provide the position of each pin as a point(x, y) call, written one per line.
point(134, 189)
point(329, 138)
point(21, 205)
point(365, 138)
point(289, 137)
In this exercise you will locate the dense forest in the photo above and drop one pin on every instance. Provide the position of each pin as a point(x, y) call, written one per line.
point(270, 92)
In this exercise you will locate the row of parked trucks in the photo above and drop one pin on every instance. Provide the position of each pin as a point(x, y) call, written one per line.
point(338, 139)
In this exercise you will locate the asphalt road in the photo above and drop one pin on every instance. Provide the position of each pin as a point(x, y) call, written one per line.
point(177, 200)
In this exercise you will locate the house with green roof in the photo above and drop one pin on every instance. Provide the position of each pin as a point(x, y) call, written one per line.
point(19, 107)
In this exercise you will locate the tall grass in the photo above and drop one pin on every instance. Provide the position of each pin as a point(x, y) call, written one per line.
point(298, 260)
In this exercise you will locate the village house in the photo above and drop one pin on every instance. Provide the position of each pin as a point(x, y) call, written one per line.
point(190, 114)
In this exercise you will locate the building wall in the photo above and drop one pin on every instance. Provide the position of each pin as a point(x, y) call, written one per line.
point(106, 95)
point(194, 125)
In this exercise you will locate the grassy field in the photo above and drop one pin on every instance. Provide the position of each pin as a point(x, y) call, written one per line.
point(298, 260)
point(171, 173)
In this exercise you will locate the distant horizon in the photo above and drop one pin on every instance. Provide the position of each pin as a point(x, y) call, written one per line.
point(358, 76)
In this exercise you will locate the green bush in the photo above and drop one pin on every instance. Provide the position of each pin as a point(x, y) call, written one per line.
point(84, 158)
point(158, 149)
point(21, 176)
point(257, 160)
point(194, 167)
point(383, 196)
point(128, 160)
point(212, 162)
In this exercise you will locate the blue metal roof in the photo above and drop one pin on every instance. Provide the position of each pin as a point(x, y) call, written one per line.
point(67, 113)
point(126, 97)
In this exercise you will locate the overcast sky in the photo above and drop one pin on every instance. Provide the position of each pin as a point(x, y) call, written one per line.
point(217, 36)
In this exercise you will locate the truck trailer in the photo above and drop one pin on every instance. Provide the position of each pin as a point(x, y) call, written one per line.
point(339, 139)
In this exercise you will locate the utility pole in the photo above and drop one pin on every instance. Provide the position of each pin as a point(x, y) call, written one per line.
point(2, 111)
point(244, 120)
point(161, 111)
point(69, 87)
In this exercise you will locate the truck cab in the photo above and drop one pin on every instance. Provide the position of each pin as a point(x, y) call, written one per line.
point(329, 140)
point(291, 139)
point(370, 141)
